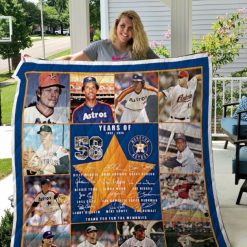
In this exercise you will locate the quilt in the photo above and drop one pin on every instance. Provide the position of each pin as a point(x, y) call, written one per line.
point(115, 154)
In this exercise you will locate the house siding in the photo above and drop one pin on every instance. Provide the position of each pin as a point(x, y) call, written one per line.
point(156, 18)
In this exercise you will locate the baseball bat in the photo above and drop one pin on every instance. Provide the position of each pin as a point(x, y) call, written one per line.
point(170, 140)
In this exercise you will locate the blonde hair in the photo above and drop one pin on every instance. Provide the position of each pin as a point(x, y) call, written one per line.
point(138, 45)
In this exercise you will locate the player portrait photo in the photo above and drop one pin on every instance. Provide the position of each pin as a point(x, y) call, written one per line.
point(94, 234)
point(180, 149)
point(141, 233)
point(182, 194)
point(46, 200)
point(136, 99)
point(47, 98)
point(180, 95)
point(46, 149)
point(92, 98)
point(47, 236)
point(188, 234)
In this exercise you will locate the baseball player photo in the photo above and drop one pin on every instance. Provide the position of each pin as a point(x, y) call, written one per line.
point(139, 237)
point(179, 96)
point(47, 236)
point(138, 102)
point(189, 234)
point(141, 233)
point(182, 194)
point(94, 235)
point(46, 149)
point(47, 98)
point(176, 153)
point(92, 110)
point(50, 197)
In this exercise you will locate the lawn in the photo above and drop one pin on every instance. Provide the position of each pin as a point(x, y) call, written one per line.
point(7, 100)
point(5, 76)
point(59, 54)
point(5, 167)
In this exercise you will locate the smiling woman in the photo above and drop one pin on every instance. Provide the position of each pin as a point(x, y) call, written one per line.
point(128, 41)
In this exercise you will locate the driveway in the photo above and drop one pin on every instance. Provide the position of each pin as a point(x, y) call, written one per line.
point(52, 45)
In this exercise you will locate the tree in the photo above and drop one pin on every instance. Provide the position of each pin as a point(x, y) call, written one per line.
point(61, 7)
point(94, 8)
point(21, 31)
point(6, 228)
point(33, 13)
point(223, 43)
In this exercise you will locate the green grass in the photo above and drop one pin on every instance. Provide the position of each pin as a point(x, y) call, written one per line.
point(59, 54)
point(5, 76)
point(5, 167)
point(7, 98)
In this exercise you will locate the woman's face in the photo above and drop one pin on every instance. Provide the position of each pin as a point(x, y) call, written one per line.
point(124, 30)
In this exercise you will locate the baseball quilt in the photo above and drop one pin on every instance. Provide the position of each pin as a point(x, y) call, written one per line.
point(115, 154)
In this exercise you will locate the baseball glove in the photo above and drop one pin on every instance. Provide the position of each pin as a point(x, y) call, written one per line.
point(31, 160)
point(62, 199)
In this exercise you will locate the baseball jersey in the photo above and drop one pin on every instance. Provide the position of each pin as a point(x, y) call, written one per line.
point(181, 99)
point(47, 202)
point(88, 244)
point(56, 156)
point(33, 115)
point(136, 101)
point(100, 113)
point(133, 242)
point(183, 190)
point(103, 50)
point(188, 161)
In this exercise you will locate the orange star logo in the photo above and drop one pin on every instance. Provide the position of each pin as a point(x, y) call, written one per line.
point(114, 178)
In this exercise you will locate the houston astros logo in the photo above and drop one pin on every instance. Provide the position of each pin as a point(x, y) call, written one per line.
point(140, 147)
point(52, 76)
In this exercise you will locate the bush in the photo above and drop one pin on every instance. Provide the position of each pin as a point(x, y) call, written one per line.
point(6, 228)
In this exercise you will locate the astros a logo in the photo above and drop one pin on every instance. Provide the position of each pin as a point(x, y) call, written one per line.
point(140, 147)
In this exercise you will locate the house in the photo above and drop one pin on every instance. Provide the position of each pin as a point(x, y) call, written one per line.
point(156, 17)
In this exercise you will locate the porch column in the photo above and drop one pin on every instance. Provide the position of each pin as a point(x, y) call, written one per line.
point(79, 25)
point(181, 27)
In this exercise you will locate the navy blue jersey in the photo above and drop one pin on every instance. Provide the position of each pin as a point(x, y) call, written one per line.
point(100, 113)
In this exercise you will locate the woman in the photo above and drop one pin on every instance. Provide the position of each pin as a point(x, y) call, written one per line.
point(128, 41)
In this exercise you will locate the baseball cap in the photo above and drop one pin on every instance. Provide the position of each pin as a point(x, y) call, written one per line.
point(91, 229)
point(90, 79)
point(137, 77)
point(45, 128)
point(183, 73)
point(48, 234)
point(139, 227)
point(45, 181)
point(49, 80)
point(179, 136)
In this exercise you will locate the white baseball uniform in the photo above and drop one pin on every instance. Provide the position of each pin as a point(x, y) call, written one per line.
point(134, 102)
point(133, 242)
point(33, 115)
point(49, 206)
point(56, 156)
point(181, 101)
point(188, 161)
point(88, 244)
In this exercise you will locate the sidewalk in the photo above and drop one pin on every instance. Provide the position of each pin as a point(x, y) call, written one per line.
point(6, 188)
point(6, 142)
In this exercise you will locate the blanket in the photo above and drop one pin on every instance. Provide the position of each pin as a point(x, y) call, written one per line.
point(115, 154)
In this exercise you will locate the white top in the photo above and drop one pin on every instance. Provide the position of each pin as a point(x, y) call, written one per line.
point(136, 101)
point(51, 156)
point(87, 244)
point(48, 201)
point(181, 98)
point(133, 242)
point(33, 115)
point(188, 161)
